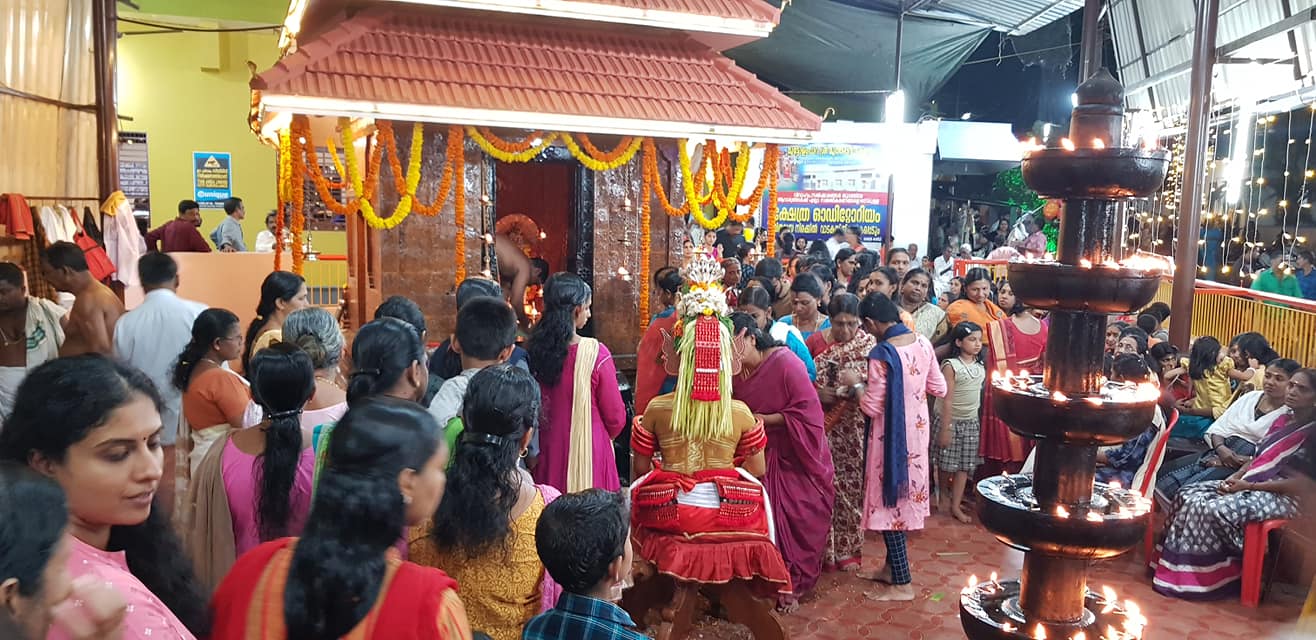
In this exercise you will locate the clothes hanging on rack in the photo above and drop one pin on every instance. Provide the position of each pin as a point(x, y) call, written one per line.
point(16, 216)
point(91, 225)
point(58, 223)
point(123, 240)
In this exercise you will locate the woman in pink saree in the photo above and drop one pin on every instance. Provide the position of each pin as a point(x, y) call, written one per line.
point(776, 387)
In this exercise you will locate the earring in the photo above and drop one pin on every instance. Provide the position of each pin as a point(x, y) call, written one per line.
point(525, 451)
point(406, 499)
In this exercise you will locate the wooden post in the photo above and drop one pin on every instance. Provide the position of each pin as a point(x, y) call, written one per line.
point(104, 34)
point(1190, 205)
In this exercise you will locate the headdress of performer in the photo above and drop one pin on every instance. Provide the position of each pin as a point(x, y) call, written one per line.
point(701, 356)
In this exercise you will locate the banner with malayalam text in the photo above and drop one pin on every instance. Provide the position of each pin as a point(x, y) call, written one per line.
point(823, 186)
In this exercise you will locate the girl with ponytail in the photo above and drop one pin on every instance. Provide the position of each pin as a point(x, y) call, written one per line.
point(483, 533)
point(582, 406)
point(343, 578)
point(254, 485)
point(388, 359)
point(281, 293)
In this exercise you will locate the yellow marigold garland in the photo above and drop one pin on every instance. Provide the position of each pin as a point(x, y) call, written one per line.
point(595, 160)
point(503, 152)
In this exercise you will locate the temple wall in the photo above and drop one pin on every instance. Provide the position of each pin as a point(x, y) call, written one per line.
point(417, 256)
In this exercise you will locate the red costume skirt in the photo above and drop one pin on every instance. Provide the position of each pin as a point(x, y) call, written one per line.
point(708, 545)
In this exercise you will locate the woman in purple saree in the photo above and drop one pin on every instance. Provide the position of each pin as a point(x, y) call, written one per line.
point(776, 387)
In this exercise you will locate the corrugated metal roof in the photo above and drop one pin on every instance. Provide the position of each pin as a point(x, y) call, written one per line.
point(1154, 39)
point(1015, 17)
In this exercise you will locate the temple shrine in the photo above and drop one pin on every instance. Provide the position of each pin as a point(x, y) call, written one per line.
point(457, 118)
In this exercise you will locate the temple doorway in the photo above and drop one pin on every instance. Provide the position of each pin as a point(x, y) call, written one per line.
point(557, 194)
point(540, 191)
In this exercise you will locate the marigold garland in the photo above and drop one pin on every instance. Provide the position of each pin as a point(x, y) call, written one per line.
point(298, 216)
point(285, 185)
point(772, 204)
point(504, 152)
point(593, 159)
point(645, 249)
point(459, 218)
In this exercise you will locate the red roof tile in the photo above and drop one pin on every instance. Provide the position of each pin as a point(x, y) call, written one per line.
point(472, 61)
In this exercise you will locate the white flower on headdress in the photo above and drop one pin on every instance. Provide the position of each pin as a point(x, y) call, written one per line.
point(704, 294)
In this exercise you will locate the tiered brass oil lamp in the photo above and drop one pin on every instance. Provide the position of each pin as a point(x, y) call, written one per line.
point(1057, 516)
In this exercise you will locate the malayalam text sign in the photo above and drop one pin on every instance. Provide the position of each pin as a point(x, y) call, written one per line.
point(212, 178)
point(824, 186)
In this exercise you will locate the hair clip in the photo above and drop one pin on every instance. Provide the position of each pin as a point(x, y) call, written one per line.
point(366, 372)
point(475, 437)
point(278, 415)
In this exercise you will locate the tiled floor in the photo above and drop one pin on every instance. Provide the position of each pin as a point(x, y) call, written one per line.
point(944, 555)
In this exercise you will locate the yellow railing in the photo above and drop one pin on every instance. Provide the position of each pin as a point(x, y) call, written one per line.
point(1224, 311)
point(325, 279)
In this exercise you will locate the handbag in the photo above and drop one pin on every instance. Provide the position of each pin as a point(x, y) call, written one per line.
point(98, 262)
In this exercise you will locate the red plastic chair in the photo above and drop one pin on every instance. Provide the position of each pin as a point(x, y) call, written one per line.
point(1256, 538)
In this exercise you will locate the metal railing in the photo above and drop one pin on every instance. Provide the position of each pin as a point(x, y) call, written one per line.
point(325, 278)
point(1224, 311)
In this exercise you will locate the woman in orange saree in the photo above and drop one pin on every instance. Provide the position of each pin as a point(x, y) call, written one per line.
point(343, 578)
point(1015, 343)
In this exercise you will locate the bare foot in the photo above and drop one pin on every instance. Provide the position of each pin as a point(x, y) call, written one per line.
point(788, 604)
point(882, 575)
point(892, 593)
point(961, 516)
point(850, 565)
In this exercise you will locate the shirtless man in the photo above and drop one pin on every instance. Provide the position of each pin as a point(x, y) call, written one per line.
point(90, 325)
point(31, 331)
point(516, 272)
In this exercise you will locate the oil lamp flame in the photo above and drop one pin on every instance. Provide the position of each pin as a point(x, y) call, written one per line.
point(993, 577)
point(1079, 636)
point(1061, 511)
point(1111, 600)
point(1085, 263)
point(1007, 627)
point(1038, 632)
point(1023, 373)
point(1067, 144)
point(1059, 397)
point(1094, 401)
point(1093, 516)
point(1114, 484)
point(1098, 143)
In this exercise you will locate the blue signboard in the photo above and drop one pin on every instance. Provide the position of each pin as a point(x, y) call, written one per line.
point(212, 178)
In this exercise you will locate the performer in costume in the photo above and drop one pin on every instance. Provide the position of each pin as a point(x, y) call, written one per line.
point(699, 513)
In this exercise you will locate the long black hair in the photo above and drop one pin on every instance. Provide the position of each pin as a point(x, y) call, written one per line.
point(282, 380)
point(1254, 345)
point(57, 406)
point(500, 407)
point(1202, 357)
point(743, 322)
point(338, 566)
point(210, 325)
point(279, 285)
point(382, 352)
point(548, 343)
point(33, 514)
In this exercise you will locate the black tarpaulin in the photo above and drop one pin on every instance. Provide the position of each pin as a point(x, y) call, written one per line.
point(825, 46)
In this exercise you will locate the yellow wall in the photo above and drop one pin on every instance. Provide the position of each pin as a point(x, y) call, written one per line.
point(188, 92)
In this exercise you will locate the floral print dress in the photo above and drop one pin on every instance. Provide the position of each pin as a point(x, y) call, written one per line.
point(922, 377)
point(845, 422)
